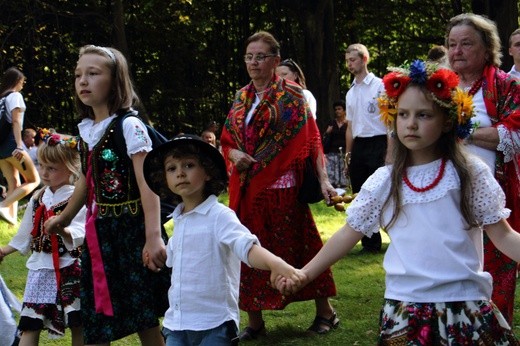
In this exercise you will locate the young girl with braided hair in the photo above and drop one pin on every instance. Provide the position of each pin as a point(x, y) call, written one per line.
point(435, 201)
point(52, 293)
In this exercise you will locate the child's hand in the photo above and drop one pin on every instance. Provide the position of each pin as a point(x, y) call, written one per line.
point(154, 254)
point(294, 277)
point(54, 225)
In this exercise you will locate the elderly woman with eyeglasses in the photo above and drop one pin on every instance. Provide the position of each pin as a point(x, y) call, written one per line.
point(268, 134)
point(474, 53)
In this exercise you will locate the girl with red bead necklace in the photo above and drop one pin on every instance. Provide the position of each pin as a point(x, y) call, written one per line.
point(435, 201)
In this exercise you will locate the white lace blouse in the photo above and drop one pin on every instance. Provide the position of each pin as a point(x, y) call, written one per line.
point(433, 256)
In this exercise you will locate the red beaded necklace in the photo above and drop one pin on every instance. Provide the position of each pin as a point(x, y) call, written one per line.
point(475, 86)
point(427, 187)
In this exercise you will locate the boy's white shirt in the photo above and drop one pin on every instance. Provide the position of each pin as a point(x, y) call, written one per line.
point(205, 254)
point(22, 240)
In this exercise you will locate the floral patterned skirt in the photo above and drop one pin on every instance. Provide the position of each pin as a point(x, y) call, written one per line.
point(288, 230)
point(452, 323)
point(44, 307)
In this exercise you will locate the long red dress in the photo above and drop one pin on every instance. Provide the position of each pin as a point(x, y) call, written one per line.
point(281, 134)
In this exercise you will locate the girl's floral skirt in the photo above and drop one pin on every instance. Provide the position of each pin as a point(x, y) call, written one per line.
point(453, 323)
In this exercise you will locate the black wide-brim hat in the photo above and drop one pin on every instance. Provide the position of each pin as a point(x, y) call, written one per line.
point(153, 166)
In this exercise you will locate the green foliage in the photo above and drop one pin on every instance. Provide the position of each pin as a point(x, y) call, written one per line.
point(186, 56)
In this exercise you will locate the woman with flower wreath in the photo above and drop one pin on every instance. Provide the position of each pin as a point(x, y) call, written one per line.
point(435, 202)
point(266, 139)
point(474, 53)
point(52, 293)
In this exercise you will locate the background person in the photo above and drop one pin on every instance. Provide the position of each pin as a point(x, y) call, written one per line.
point(335, 137)
point(267, 153)
point(29, 144)
point(290, 70)
point(474, 54)
point(14, 160)
point(514, 51)
point(367, 140)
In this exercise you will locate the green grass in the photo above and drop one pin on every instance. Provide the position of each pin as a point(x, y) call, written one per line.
point(359, 281)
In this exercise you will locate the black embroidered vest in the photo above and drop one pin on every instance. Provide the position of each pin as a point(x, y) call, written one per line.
point(41, 242)
point(115, 185)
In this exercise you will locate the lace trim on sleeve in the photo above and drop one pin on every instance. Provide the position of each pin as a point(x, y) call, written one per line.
point(509, 142)
point(489, 199)
point(363, 213)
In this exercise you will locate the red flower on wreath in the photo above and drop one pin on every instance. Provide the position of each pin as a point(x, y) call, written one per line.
point(442, 82)
point(395, 83)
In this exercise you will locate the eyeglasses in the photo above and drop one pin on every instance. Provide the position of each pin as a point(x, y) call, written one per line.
point(248, 58)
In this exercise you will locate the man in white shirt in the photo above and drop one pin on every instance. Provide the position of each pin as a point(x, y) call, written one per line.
point(366, 138)
point(514, 51)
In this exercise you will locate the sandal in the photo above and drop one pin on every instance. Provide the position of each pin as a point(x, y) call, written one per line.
point(321, 325)
point(251, 334)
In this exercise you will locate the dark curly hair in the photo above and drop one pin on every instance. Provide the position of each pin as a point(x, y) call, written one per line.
point(215, 186)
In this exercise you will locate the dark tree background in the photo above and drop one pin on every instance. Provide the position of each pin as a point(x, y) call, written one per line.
point(186, 55)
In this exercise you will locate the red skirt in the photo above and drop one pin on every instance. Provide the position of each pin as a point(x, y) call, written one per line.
point(287, 230)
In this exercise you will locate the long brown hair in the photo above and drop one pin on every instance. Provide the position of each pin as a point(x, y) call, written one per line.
point(12, 76)
point(122, 95)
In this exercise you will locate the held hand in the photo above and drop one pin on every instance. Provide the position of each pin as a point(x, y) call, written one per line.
point(288, 286)
point(241, 160)
point(55, 224)
point(154, 254)
point(328, 191)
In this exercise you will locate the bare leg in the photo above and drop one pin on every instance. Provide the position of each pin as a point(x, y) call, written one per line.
point(326, 318)
point(256, 320)
point(30, 338)
point(77, 336)
point(11, 168)
point(151, 337)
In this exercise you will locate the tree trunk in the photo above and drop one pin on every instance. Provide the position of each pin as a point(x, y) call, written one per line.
point(323, 76)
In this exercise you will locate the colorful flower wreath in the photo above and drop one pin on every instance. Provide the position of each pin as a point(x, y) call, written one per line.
point(440, 82)
point(52, 138)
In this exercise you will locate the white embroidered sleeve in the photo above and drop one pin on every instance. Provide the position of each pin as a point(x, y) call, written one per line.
point(364, 211)
point(488, 197)
point(509, 142)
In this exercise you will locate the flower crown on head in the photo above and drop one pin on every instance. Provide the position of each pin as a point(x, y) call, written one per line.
point(52, 138)
point(442, 84)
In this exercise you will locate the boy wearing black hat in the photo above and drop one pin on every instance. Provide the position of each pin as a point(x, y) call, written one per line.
point(207, 245)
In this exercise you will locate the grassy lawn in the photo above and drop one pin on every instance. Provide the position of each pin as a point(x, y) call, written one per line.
point(359, 281)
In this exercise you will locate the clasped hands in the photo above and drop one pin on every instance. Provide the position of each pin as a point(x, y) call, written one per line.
point(289, 284)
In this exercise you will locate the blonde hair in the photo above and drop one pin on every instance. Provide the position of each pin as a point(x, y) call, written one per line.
point(122, 95)
point(61, 154)
point(487, 30)
point(360, 49)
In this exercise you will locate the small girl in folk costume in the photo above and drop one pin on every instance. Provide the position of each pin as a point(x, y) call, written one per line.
point(124, 291)
point(434, 202)
point(52, 293)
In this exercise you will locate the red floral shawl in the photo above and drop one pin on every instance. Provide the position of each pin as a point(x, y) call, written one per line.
point(502, 99)
point(281, 134)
